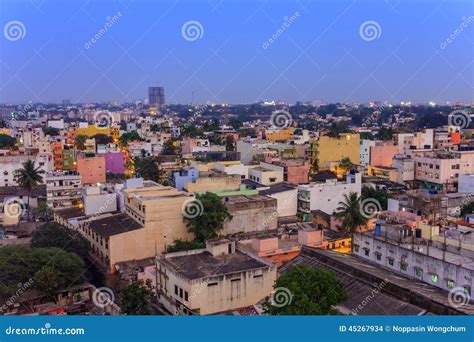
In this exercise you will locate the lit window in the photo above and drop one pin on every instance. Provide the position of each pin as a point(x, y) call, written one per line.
point(434, 278)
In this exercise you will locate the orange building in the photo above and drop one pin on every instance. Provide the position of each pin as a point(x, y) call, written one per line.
point(91, 169)
point(382, 153)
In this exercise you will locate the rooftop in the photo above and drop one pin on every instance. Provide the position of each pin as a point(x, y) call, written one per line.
point(203, 265)
point(114, 225)
point(274, 189)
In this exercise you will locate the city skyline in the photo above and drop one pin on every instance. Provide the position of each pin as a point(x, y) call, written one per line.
point(223, 52)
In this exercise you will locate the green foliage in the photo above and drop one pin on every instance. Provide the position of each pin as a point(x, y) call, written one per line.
point(215, 140)
point(306, 291)
point(350, 213)
point(467, 209)
point(211, 125)
point(28, 178)
point(235, 123)
point(385, 134)
point(379, 195)
point(366, 136)
point(148, 168)
point(43, 212)
point(346, 164)
point(211, 220)
point(7, 141)
point(53, 234)
point(80, 141)
point(191, 131)
point(51, 131)
point(136, 298)
point(50, 269)
point(229, 143)
point(181, 245)
point(102, 139)
point(129, 136)
point(169, 147)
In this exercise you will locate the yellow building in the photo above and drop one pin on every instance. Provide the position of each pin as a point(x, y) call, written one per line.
point(6, 131)
point(389, 173)
point(92, 130)
point(281, 135)
point(327, 150)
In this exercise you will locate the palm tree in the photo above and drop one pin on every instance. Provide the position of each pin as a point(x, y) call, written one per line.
point(28, 178)
point(351, 215)
point(43, 212)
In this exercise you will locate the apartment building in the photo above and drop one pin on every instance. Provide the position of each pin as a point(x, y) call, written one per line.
point(443, 259)
point(213, 280)
point(63, 189)
point(92, 169)
point(10, 162)
point(325, 196)
point(365, 146)
point(326, 150)
point(441, 169)
point(295, 171)
point(211, 181)
point(382, 153)
point(267, 174)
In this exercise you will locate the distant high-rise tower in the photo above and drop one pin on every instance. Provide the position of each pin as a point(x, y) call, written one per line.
point(156, 96)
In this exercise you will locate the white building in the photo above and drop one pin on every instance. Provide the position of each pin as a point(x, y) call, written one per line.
point(63, 189)
point(213, 280)
point(236, 168)
point(10, 163)
point(99, 199)
point(365, 152)
point(466, 183)
point(326, 196)
point(406, 169)
point(266, 174)
point(287, 198)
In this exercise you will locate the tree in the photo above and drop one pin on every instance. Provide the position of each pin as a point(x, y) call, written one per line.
point(7, 141)
point(379, 195)
point(45, 269)
point(51, 131)
point(229, 143)
point(385, 134)
point(148, 168)
point(80, 141)
point(53, 234)
point(304, 290)
point(235, 123)
point(212, 213)
point(102, 139)
point(136, 298)
point(129, 136)
point(351, 215)
point(181, 245)
point(169, 147)
point(346, 164)
point(43, 212)
point(28, 178)
point(336, 129)
point(467, 209)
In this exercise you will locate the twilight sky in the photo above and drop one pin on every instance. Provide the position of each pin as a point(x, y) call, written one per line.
point(237, 51)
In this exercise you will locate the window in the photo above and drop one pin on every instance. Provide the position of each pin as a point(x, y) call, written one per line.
point(419, 272)
point(273, 179)
point(450, 284)
point(366, 251)
point(176, 289)
point(434, 278)
point(390, 261)
point(403, 266)
point(181, 293)
point(186, 296)
point(211, 284)
point(467, 289)
point(378, 256)
point(356, 248)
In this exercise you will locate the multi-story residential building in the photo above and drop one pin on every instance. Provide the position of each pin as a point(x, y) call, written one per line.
point(233, 168)
point(405, 169)
point(9, 163)
point(441, 170)
point(99, 199)
point(63, 189)
point(365, 146)
point(213, 280)
point(287, 198)
point(92, 169)
point(443, 259)
point(211, 181)
point(252, 213)
point(418, 140)
point(183, 176)
point(326, 150)
point(280, 135)
point(295, 171)
point(267, 174)
point(325, 196)
point(466, 183)
point(382, 153)
point(194, 145)
point(64, 156)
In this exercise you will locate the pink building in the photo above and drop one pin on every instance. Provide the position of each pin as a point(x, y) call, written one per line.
point(295, 171)
point(91, 169)
point(114, 162)
point(382, 153)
